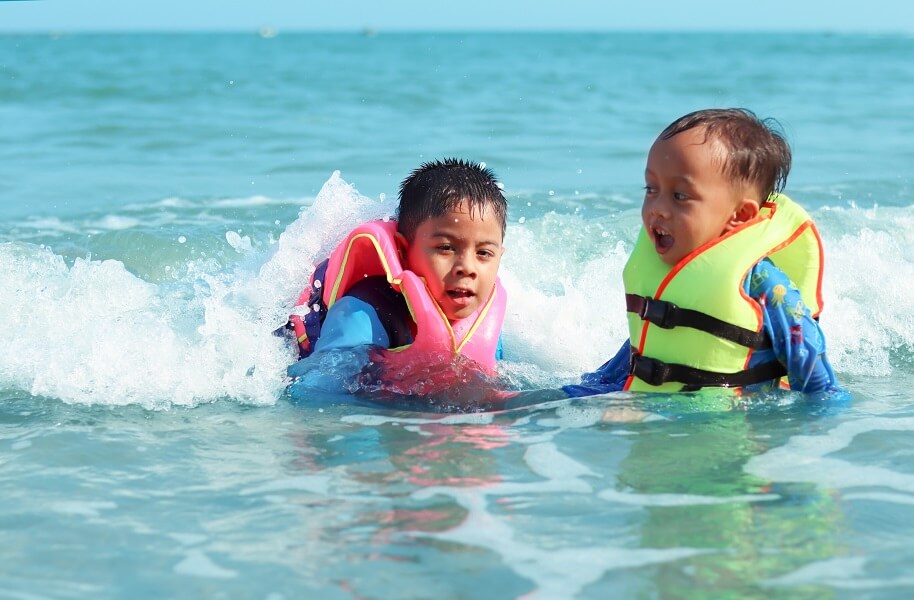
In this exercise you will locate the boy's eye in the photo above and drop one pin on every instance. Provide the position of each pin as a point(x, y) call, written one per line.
point(680, 196)
point(486, 254)
point(444, 248)
point(649, 189)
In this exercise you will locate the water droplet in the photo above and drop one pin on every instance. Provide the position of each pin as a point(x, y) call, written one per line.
point(317, 283)
point(580, 171)
point(181, 239)
point(482, 165)
point(522, 220)
point(552, 192)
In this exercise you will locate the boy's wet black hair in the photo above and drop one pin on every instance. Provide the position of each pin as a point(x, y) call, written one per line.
point(756, 152)
point(437, 187)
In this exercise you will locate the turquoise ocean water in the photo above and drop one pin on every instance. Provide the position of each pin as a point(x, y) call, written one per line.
point(162, 200)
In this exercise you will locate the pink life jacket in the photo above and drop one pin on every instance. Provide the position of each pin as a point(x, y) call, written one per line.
point(370, 249)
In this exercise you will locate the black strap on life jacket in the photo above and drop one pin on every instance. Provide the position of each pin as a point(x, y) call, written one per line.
point(667, 315)
point(390, 306)
point(655, 372)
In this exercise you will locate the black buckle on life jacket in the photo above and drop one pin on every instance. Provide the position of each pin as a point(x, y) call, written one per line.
point(659, 312)
point(651, 371)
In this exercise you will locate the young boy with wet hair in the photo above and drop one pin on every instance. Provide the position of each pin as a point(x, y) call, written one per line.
point(424, 285)
point(723, 287)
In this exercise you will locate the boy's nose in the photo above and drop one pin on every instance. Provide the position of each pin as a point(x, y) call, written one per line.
point(465, 267)
point(659, 207)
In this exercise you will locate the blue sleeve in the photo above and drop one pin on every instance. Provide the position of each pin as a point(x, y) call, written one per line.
point(796, 338)
point(341, 352)
point(351, 322)
point(610, 377)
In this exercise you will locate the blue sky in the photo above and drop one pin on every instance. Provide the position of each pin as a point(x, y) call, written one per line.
point(408, 15)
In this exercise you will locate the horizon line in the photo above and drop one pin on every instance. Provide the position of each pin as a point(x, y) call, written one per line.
point(267, 30)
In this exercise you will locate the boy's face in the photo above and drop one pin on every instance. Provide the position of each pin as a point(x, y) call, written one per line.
point(688, 201)
point(458, 256)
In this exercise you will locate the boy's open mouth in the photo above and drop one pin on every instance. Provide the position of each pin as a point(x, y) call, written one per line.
point(460, 295)
point(662, 239)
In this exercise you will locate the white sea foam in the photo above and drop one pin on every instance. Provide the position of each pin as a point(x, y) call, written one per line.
point(458, 419)
point(560, 572)
point(315, 484)
point(94, 333)
point(197, 564)
point(254, 201)
point(337, 208)
point(808, 458)
point(562, 277)
point(635, 499)
point(547, 461)
point(117, 222)
point(846, 573)
point(52, 224)
point(82, 509)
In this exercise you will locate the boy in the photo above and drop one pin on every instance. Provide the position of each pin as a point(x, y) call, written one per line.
point(710, 286)
point(424, 286)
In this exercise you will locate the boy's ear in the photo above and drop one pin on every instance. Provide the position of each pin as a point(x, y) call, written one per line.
point(402, 245)
point(745, 211)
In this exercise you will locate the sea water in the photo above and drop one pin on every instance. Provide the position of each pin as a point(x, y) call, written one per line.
point(163, 199)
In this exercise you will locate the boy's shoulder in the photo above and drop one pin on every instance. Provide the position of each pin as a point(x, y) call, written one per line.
point(390, 306)
point(765, 276)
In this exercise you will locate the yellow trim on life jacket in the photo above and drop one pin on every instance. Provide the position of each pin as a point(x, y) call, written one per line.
point(479, 319)
point(342, 271)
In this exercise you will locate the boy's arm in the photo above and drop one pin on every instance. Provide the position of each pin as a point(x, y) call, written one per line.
point(351, 322)
point(610, 377)
point(797, 340)
point(341, 352)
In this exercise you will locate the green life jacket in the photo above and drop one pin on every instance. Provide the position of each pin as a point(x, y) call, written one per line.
point(692, 325)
